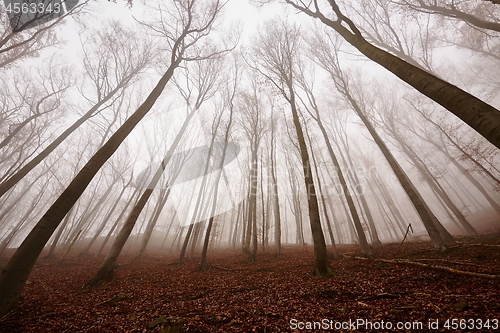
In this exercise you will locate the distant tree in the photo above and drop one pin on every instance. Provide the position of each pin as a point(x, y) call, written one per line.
point(275, 56)
point(329, 61)
point(274, 184)
point(253, 119)
point(314, 111)
point(120, 59)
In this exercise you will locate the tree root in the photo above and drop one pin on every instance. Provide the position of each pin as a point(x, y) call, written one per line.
point(100, 280)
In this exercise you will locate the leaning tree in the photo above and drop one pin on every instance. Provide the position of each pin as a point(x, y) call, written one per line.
point(479, 115)
point(194, 21)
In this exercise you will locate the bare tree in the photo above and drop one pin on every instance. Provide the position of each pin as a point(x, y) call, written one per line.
point(190, 29)
point(229, 106)
point(461, 10)
point(276, 57)
point(329, 61)
point(482, 117)
point(274, 184)
point(17, 42)
point(313, 110)
point(121, 57)
point(253, 119)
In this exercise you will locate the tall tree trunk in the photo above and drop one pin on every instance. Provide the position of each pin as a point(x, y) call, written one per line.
point(323, 199)
point(482, 117)
point(203, 264)
point(321, 265)
point(15, 274)
point(14, 179)
point(434, 184)
point(428, 218)
point(106, 270)
point(275, 197)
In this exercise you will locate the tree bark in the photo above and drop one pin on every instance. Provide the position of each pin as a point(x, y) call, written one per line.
point(482, 117)
point(15, 274)
point(321, 265)
point(105, 272)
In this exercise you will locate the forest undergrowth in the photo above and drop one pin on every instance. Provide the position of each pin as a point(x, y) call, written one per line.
point(155, 294)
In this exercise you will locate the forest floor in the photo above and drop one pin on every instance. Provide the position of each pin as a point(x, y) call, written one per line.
point(272, 295)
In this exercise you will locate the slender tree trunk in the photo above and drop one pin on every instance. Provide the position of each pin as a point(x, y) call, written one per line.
point(474, 181)
point(152, 222)
point(321, 265)
point(393, 209)
point(88, 215)
point(8, 238)
point(105, 272)
point(275, 197)
point(434, 184)
point(454, 142)
point(263, 205)
point(482, 117)
point(14, 179)
point(352, 208)
point(15, 274)
point(105, 220)
point(118, 219)
point(348, 161)
point(463, 170)
point(428, 218)
point(234, 236)
point(252, 204)
point(203, 264)
point(247, 235)
point(323, 199)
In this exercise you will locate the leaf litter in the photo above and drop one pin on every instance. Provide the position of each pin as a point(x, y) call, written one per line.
point(151, 295)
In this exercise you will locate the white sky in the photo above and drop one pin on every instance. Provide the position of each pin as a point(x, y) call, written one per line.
point(239, 11)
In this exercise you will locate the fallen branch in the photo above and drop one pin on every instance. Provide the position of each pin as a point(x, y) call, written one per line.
point(487, 245)
point(406, 234)
point(7, 315)
point(449, 262)
point(439, 268)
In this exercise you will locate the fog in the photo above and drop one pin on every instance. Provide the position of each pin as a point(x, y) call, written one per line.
point(181, 127)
